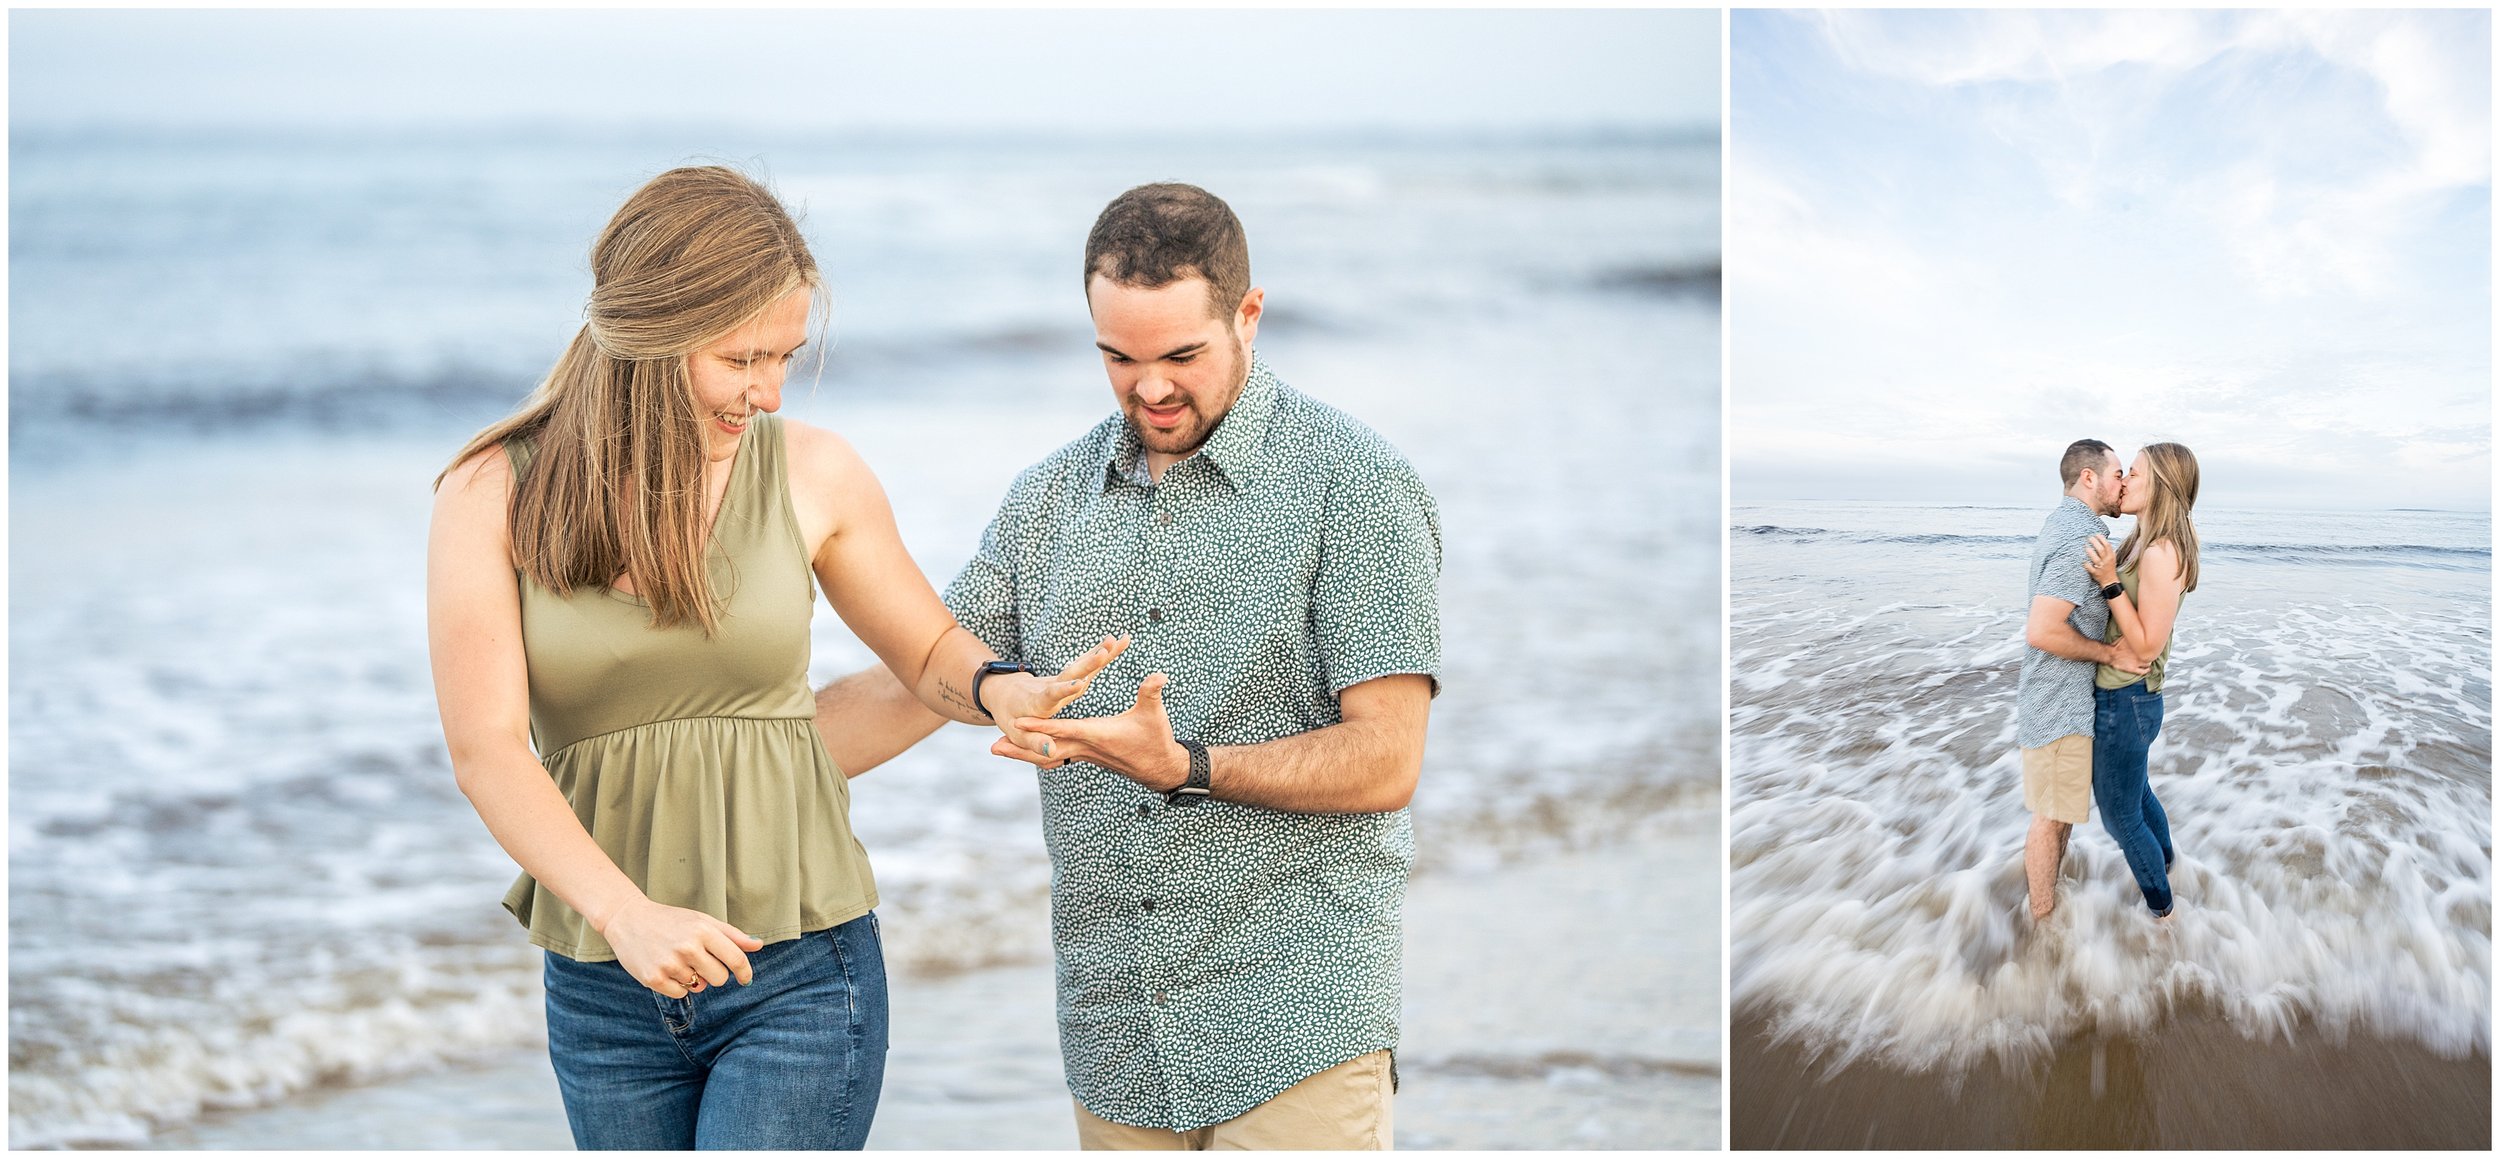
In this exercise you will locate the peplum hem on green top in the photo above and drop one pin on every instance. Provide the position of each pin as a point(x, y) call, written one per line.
point(717, 814)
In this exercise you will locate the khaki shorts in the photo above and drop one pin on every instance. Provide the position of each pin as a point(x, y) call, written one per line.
point(1343, 1108)
point(2057, 779)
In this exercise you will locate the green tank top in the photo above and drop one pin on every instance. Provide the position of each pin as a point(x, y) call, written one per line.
point(693, 762)
point(2107, 677)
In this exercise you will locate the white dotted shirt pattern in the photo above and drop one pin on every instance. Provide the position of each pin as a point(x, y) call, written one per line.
point(1211, 956)
point(2054, 697)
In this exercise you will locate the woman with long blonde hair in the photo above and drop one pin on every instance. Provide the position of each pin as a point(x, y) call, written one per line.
point(2144, 581)
point(619, 582)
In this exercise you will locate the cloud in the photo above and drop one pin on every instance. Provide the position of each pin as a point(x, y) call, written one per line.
point(1964, 48)
point(2436, 80)
point(1951, 235)
point(2077, 93)
point(2295, 236)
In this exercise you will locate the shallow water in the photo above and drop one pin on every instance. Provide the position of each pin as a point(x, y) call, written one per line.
point(2325, 760)
point(239, 867)
point(1502, 1046)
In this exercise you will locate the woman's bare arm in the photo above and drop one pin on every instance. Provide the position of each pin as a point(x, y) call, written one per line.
point(481, 688)
point(2145, 619)
point(880, 593)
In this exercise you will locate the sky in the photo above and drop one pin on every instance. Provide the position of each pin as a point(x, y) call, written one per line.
point(1957, 242)
point(1085, 71)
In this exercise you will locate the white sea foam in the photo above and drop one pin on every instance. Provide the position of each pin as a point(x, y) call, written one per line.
point(2324, 761)
point(143, 1056)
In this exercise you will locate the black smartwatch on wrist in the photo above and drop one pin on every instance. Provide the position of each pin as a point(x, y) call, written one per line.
point(1195, 789)
point(984, 672)
point(2112, 592)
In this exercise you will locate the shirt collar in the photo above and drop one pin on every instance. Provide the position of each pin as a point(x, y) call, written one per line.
point(2080, 508)
point(1235, 450)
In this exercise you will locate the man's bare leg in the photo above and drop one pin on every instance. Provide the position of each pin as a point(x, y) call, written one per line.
point(2043, 851)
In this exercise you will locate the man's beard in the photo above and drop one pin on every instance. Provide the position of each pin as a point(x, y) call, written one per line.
point(1186, 440)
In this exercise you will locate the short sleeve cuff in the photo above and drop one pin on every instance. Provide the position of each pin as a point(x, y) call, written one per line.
point(1426, 667)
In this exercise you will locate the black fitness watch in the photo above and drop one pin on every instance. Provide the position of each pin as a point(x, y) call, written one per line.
point(1195, 789)
point(2112, 592)
point(984, 672)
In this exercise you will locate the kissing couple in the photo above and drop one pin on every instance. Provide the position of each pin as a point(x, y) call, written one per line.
point(2098, 632)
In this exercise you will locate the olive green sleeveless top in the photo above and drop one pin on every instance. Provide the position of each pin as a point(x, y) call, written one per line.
point(693, 762)
point(2107, 677)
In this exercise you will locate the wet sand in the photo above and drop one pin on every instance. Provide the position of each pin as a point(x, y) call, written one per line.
point(2198, 1083)
point(1566, 1002)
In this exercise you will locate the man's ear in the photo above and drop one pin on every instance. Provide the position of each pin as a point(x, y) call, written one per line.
point(1246, 319)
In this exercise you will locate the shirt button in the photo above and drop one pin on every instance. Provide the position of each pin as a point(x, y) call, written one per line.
point(1155, 614)
point(1158, 997)
point(1163, 517)
point(1145, 809)
point(1150, 905)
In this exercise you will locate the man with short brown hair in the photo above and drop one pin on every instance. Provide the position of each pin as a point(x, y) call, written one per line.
point(2053, 702)
point(1154, 235)
point(1226, 808)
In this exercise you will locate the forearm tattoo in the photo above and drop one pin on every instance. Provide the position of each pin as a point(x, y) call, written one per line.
point(957, 697)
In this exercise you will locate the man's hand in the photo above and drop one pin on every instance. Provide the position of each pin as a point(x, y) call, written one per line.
point(1015, 698)
point(1136, 744)
point(2125, 660)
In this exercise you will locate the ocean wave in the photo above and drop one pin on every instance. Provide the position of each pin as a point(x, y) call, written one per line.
point(2418, 553)
point(2350, 551)
point(149, 1060)
point(2327, 778)
point(42, 406)
point(1698, 280)
point(411, 391)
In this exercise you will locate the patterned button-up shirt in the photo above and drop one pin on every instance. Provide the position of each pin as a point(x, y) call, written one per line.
point(1212, 955)
point(2054, 698)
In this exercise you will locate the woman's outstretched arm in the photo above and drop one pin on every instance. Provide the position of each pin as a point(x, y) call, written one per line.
point(481, 687)
point(880, 593)
point(2145, 619)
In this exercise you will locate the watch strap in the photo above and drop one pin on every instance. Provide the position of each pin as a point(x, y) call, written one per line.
point(2113, 591)
point(1198, 787)
point(984, 672)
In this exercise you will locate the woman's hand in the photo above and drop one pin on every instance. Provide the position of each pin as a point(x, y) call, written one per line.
point(1016, 696)
point(676, 951)
point(1136, 744)
point(2100, 561)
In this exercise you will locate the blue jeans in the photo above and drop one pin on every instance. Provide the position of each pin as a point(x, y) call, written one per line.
point(792, 1060)
point(2124, 723)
